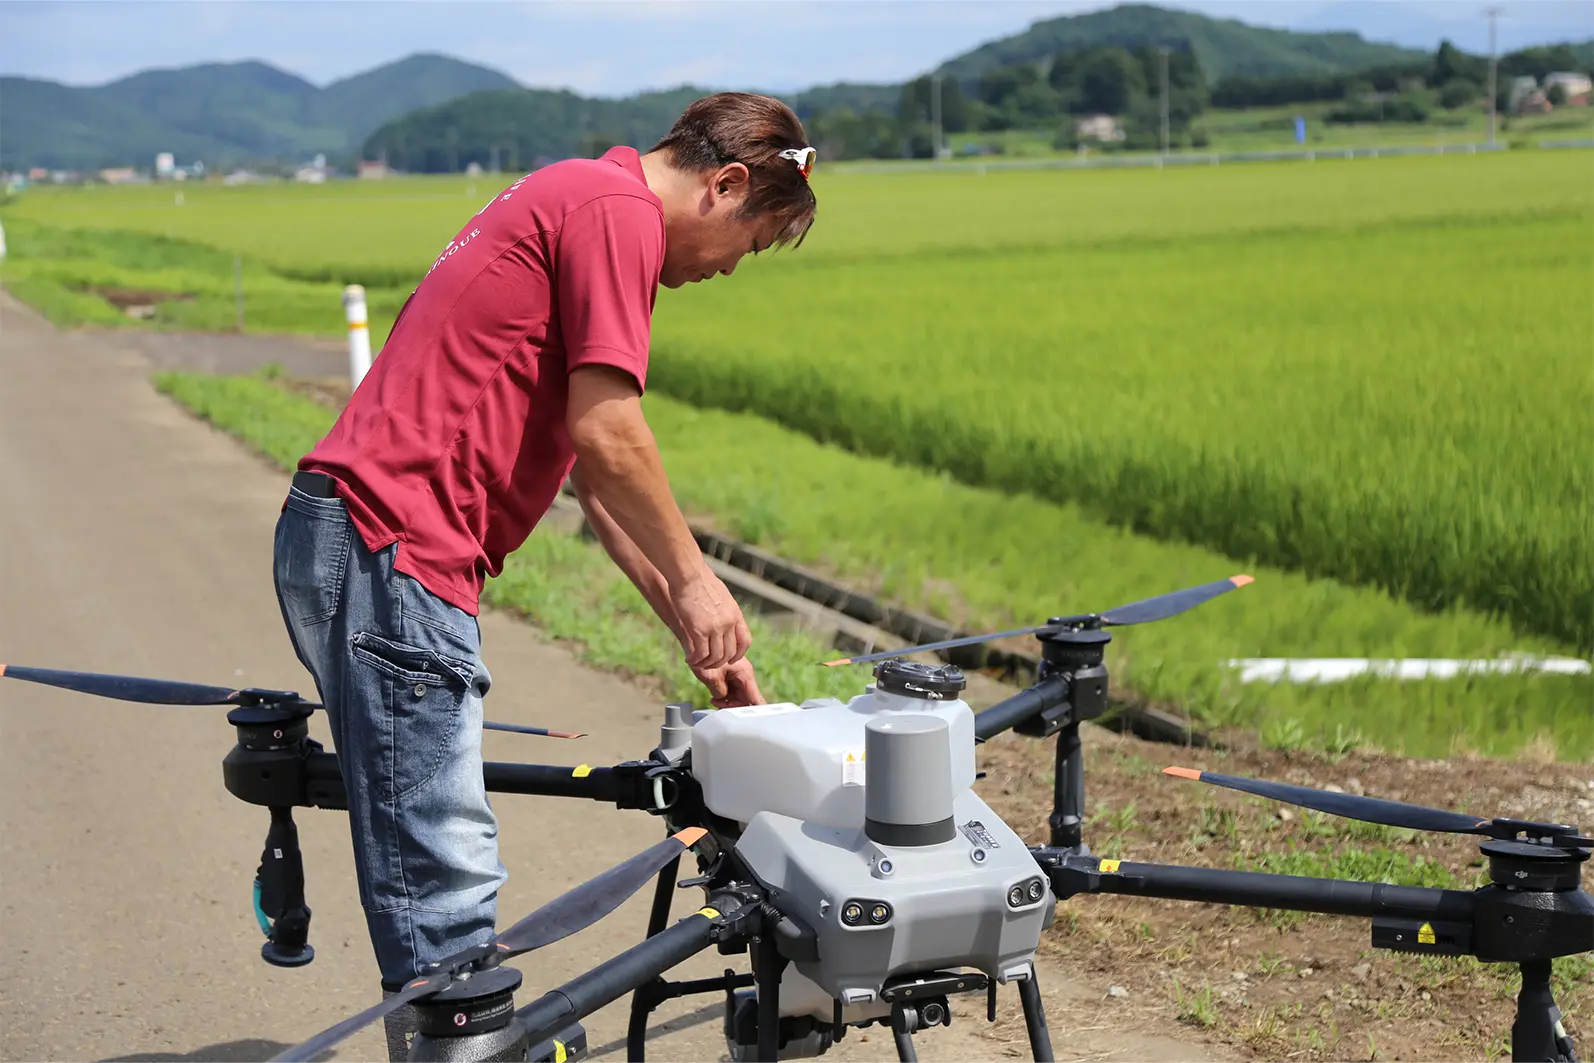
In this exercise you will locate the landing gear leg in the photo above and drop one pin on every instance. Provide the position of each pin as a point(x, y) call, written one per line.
point(1538, 1033)
point(902, 1032)
point(1040, 1039)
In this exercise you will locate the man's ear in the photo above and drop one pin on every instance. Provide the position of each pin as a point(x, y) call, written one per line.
point(731, 178)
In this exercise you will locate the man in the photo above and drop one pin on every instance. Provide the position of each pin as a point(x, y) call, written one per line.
point(519, 360)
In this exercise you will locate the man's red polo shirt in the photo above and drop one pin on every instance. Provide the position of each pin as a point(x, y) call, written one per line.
point(454, 445)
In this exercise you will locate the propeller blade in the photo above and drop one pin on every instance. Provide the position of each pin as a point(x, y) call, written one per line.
point(1350, 806)
point(324, 1040)
point(967, 640)
point(1165, 605)
point(580, 907)
point(518, 729)
point(1159, 608)
point(126, 687)
point(570, 912)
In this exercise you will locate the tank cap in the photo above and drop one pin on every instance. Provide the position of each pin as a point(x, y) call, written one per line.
point(931, 682)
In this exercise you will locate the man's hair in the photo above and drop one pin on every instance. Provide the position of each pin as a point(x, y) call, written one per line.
point(753, 130)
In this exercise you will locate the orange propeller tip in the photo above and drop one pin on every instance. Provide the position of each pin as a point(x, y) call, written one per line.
point(1183, 773)
point(832, 664)
point(690, 836)
point(2, 669)
point(567, 734)
point(1240, 581)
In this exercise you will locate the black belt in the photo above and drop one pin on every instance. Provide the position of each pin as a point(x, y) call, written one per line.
point(316, 484)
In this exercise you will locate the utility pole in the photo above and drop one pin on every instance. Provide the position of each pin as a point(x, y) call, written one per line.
point(935, 112)
point(1494, 92)
point(1163, 52)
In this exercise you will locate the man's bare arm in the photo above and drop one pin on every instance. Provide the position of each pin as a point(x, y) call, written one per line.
point(642, 573)
point(620, 464)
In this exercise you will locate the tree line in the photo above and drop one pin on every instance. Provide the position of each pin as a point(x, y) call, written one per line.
point(1126, 83)
point(527, 128)
point(1050, 94)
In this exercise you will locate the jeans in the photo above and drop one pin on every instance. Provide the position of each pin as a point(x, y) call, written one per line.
point(401, 676)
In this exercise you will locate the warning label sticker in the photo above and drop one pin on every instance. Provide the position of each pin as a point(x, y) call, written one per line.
point(976, 833)
point(852, 769)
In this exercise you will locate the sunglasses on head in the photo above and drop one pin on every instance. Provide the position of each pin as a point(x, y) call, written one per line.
point(803, 157)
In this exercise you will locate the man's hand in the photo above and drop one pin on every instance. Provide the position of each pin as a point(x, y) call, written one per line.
point(731, 686)
point(713, 630)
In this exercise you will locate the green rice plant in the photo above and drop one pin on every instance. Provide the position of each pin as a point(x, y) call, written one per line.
point(1404, 408)
point(988, 560)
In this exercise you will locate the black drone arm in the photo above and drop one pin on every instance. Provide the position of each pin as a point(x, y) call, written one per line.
point(635, 784)
point(720, 919)
point(1047, 695)
point(1526, 925)
point(1073, 875)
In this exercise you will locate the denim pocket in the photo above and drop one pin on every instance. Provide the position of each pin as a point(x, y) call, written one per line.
point(412, 664)
point(311, 556)
point(423, 691)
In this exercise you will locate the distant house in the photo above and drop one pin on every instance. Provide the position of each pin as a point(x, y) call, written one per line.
point(1102, 127)
point(1535, 102)
point(1578, 87)
point(1521, 88)
point(120, 175)
point(373, 170)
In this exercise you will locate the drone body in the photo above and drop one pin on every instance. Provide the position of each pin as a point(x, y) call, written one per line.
point(908, 876)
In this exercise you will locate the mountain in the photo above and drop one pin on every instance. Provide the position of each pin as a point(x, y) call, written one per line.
point(1223, 46)
point(524, 128)
point(365, 101)
point(224, 114)
point(47, 124)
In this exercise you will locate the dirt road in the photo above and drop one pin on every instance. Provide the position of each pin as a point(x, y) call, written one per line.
point(134, 539)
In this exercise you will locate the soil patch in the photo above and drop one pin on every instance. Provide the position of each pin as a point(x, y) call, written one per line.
point(138, 302)
point(1281, 985)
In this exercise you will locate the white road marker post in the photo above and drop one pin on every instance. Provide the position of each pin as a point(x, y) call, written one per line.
point(359, 334)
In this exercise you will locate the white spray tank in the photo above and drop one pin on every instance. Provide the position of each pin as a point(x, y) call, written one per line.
point(807, 760)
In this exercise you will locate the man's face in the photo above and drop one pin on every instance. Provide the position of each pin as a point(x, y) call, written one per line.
point(711, 238)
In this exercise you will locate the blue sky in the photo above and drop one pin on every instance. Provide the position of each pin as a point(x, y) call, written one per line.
point(616, 47)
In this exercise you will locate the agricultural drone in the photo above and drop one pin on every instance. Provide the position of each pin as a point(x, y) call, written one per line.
point(842, 846)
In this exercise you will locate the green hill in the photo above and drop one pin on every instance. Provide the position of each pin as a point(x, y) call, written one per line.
point(1223, 46)
point(366, 101)
point(224, 114)
point(524, 127)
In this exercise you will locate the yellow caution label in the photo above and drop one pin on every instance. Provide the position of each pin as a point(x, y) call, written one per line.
point(1109, 866)
point(559, 1055)
point(712, 913)
point(582, 771)
point(1425, 934)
